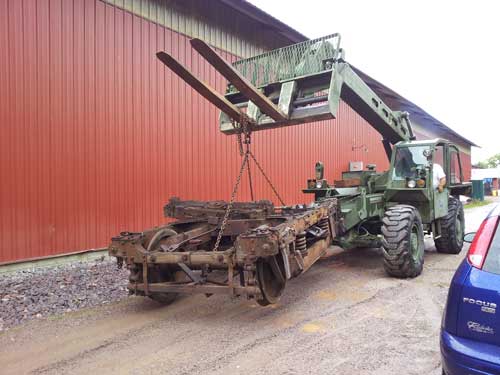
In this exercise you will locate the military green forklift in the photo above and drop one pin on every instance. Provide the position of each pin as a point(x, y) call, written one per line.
point(258, 246)
point(394, 209)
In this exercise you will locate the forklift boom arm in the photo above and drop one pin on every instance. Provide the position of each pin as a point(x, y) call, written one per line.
point(297, 84)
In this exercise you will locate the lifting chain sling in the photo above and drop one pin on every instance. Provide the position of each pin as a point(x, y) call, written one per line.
point(246, 154)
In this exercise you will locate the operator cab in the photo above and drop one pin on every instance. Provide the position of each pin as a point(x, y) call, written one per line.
point(412, 180)
point(412, 163)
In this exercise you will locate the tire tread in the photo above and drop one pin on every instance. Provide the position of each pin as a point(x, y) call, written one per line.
point(396, 229)
point(448, 243)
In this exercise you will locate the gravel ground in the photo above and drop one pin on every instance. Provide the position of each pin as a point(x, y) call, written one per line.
point(36, 293)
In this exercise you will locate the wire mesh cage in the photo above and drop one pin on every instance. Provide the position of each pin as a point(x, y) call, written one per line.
point(309, 57)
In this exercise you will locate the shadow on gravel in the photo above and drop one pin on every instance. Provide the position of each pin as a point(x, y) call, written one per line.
point(356, 259)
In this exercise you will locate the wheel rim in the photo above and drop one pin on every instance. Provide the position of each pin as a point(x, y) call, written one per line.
point(414, 243)
point(459, 229)
point(160, 235)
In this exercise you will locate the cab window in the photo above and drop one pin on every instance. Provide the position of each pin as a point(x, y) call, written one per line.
point(439, 156)
point(409, 161)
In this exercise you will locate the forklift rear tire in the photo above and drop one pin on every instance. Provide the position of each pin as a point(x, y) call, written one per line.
point(403, 241)
point(452, 229)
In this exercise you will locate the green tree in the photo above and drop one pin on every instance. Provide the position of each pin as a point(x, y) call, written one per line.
point(482, 164)
point(493, 161)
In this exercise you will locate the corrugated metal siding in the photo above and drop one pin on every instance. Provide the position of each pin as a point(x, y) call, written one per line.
point(97, 135)
point(465, 159)
point(212, 21)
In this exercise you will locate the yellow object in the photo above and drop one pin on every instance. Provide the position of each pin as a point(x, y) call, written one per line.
point(311, 328)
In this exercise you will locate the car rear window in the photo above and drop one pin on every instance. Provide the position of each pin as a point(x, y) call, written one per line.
point(492, 262)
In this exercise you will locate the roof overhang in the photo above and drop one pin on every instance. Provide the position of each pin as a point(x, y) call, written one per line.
point(259, 15)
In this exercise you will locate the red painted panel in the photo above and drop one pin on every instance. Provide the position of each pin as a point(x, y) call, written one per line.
point(97, 134)
point(466, 165)
point(6, 154)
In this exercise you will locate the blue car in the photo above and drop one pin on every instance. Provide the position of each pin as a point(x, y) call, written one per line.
point(470, 332)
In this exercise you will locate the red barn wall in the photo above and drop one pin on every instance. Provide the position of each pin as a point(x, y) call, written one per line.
point(465, 159)
point(97, 134)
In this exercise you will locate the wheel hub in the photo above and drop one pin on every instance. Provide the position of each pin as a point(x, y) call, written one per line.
point(414, 243)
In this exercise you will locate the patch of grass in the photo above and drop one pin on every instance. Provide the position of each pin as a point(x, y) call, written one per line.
point(475, 203)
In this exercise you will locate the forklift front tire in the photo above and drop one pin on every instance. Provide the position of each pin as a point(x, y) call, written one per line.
point(403, 241)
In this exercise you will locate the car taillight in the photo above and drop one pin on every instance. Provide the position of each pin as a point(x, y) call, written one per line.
point(481, 243)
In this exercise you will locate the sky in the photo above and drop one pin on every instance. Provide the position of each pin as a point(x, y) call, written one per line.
point(442, 55)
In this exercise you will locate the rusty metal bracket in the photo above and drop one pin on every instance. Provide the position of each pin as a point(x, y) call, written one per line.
point(194, 277)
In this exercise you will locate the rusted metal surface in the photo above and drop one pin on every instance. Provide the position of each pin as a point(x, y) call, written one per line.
point(179, 209)
point(194, 288)
point(261, 248)
point(349, 182)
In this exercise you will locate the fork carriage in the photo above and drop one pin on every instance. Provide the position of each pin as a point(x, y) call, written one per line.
point(262, 246)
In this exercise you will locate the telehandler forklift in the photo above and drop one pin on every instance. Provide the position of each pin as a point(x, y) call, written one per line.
point(254, 248)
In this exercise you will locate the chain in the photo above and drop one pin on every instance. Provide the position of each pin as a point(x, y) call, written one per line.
point(267, 179)
point(240, 144)
point(244, 163)
point(247, 142)
point(252, 198)
point(230, 204)
point(246, 153)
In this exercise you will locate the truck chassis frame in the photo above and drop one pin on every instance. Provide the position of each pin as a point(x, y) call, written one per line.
point(261, 248)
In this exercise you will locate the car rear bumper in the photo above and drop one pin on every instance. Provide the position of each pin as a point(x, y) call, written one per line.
point(463, 356)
